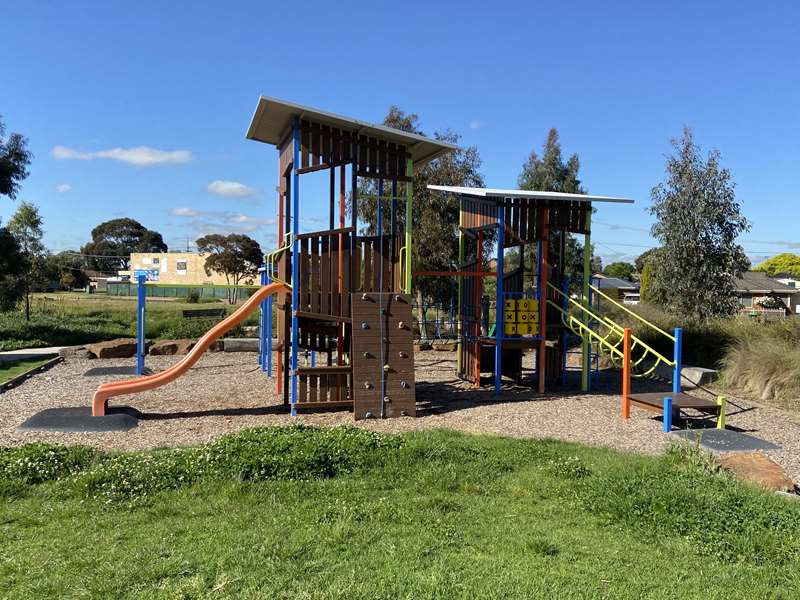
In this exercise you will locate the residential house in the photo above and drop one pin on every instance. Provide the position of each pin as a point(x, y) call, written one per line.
point(173, 268)
point(755, 287)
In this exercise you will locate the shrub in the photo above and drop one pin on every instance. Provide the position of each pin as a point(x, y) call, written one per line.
point(193, 296)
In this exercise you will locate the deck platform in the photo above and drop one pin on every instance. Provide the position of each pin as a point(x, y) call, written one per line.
point(654, 401)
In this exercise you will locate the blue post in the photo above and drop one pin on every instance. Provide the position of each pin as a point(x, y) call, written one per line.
point(678, 358)
point(499, 327)
point(667, 414)
point(268, 334)
point(262, 323)
point(295, 261)
point(141, 343)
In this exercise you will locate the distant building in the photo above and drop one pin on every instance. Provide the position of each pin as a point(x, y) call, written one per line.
point(754, 289)
point(614, 286)
point(173, 268)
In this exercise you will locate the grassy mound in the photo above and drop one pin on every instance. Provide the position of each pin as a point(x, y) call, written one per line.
point(346, 513)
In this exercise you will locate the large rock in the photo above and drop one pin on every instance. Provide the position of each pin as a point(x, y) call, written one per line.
point(691, 377)
point(757, 468)
point(422, 346)
point(170, 347)
point(119, 348)
point(240, 344)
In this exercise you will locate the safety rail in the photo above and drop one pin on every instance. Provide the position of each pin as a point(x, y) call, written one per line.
point(270, 259)
point(615, 329)
point(632, 313)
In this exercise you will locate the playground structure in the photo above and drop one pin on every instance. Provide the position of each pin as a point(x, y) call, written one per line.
point(340, 295)
point(343, 297)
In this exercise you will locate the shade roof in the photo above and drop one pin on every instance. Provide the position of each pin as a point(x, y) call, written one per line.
point(273, 118)
point(535, 195)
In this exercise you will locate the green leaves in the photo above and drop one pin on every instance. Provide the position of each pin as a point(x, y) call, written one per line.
point(698, 222)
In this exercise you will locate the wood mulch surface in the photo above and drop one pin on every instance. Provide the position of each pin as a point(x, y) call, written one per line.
point(225, 392)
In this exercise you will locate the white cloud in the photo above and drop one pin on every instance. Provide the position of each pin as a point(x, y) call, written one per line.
point(233, 189)
point(474, 124)
point(63, 188)
point(182, 211)
point(140, 156)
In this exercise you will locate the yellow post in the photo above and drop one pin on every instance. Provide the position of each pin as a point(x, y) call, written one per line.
point(721, 417)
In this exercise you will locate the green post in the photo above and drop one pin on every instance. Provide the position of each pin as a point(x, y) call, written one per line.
point(409, 221)
point(460, 283)
point(587, 274)
point(721, 417)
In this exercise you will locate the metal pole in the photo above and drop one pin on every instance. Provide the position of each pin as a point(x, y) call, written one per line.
point(295, 261)
point(499, 300)
point(678, 358)
point(409, 221)
point(587, 273)
point(262, 322)
point(626, 373)
point(141, 343)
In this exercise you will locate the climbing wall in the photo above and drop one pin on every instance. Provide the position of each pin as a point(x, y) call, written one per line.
point(382, 355)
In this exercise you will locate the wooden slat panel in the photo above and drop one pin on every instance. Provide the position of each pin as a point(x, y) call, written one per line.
point(312, 381)
point(301, 388)
point(323, 388)
point(336, 305)
point(314, 291)
point(325, 276)
point(315, 146)
point(366, 282)
point(304, 135)
point(356, 267)
point(304, 292)
point(345, 294)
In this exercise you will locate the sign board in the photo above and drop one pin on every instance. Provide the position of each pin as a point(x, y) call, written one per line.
point(149, 274)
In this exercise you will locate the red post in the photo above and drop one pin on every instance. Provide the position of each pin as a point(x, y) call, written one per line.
point(626, 373)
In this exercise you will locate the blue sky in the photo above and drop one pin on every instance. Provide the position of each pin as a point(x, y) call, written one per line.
point(140, 109)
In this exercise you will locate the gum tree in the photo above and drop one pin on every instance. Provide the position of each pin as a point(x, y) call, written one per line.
point(697, 223)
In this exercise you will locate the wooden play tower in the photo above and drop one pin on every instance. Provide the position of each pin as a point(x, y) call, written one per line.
point(345, 328)
point(494, 332)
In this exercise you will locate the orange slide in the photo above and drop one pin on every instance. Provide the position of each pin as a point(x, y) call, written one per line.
point(149, 382)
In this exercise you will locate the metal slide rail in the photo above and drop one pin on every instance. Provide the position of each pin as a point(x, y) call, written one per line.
point(615, 330)
point(636, 316)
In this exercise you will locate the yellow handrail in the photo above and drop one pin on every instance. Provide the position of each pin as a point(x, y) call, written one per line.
point(611, 325)
point(581, 325)
point(270, 258)
point(632, 313)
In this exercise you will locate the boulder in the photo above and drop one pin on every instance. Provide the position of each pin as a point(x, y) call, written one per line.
point(170, 347)
point(119, 348)
point(240, 344)
point(74, 352)
point(692, 377)
point(422, 346)
point(216, 346)
point(759, 469)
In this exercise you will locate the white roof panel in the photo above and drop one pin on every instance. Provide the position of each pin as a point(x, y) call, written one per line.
point(273, 119)
point(535, 195)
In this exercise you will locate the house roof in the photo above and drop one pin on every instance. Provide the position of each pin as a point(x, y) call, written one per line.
point(532, 194)
point(273, 119)
point(760, 282)
point(615, 283)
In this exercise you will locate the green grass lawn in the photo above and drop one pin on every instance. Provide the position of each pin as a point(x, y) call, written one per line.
point(67, 319)
point(306, 513)
point(11, 368)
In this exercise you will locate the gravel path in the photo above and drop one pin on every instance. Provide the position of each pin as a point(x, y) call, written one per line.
point(225, 392)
